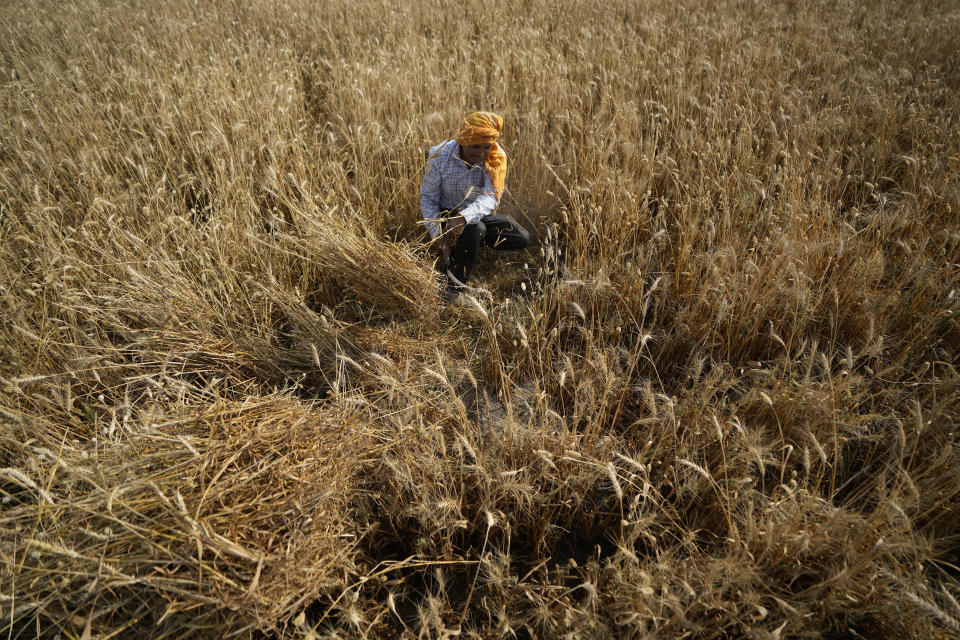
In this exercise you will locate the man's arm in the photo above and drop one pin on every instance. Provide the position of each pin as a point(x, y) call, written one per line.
point(485, 203)
point(430, 188)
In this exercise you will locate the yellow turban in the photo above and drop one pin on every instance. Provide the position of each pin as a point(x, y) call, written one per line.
point(483, 127)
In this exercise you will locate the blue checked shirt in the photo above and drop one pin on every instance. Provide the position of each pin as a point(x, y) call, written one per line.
point(450, 184)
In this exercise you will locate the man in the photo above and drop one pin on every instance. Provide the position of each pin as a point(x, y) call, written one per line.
point(461, 188)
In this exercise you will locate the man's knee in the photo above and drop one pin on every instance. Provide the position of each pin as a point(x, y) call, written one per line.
point(523, 237)
point(514, 237)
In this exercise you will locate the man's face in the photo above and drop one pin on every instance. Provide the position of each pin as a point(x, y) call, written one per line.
point(476, 153)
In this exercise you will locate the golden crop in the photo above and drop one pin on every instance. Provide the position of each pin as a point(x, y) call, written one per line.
point(718, 398)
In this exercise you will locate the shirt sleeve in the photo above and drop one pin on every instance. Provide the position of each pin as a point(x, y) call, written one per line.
point(485, 203)
point(430, 189)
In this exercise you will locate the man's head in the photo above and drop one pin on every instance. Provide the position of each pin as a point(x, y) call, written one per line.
point(475, 153)
point(478, 133)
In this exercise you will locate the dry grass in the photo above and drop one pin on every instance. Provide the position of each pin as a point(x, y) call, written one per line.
point(718, 399)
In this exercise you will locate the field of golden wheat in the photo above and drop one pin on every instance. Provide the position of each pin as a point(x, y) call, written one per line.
point(717, 398)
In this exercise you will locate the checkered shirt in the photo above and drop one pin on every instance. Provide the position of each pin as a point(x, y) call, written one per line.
point(450, 184)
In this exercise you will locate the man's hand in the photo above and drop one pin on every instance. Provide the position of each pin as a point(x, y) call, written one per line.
point(444, 243)
point(441, 247)
point(455, 227)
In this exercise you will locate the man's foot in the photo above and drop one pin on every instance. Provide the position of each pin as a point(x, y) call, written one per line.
point(451, 293)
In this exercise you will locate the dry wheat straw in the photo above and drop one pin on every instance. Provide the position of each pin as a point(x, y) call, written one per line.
point(719, 399)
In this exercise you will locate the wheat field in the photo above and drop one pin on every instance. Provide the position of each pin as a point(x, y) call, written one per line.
point(717, 398)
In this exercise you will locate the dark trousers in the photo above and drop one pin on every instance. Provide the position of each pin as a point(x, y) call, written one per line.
point(495, 231)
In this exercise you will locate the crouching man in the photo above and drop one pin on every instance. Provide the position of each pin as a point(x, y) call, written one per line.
point(460, 191)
